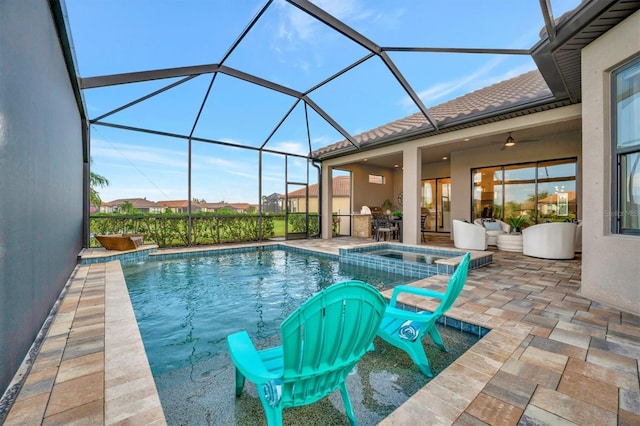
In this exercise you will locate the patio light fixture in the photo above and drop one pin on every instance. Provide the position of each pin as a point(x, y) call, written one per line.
point(510, 141)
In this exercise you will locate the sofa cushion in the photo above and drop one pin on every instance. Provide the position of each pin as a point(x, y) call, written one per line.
point(492, 226)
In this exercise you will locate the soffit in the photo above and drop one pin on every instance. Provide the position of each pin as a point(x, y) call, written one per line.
point(559, 57)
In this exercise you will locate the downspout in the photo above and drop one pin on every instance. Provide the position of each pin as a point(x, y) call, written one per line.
point(318, 166)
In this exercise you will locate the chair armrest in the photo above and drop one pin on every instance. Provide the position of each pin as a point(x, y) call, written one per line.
point(407, 315)
point(246, 358)
point(505, 226)
point(424, 292)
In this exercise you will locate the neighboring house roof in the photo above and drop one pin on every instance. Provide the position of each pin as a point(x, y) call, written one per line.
point(524, 90)
point(179, 204)
point(174, 204)
point(234, 206)
point(213, 206)
point(341, 188)
point(240, 206)
point(138, 203)
point(553, 198)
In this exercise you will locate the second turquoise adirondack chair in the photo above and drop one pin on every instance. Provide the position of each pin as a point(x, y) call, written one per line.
point(322, 341)
point(405, 330)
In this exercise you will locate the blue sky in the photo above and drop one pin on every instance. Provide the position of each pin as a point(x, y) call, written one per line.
point(289, 48)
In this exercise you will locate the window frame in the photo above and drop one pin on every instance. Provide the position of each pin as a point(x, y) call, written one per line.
point(377, 179)
point(536, 165)
point(617, 155)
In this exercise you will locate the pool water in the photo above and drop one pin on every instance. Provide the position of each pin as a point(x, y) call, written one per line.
point(429, 259)
point(186, 307)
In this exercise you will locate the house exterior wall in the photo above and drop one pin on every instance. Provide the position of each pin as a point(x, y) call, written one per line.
point(562, 145)
point(611, 266)
point(339, 204)
point(441, 169)
point(370, 194)
point(41, 177)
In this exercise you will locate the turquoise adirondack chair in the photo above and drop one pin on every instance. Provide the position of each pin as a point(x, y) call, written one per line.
point(322, 341)
point(405, 330)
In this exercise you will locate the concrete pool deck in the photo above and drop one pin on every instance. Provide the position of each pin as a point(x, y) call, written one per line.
point(552, 357)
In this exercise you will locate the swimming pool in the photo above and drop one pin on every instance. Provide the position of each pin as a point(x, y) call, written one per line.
point(186, 307)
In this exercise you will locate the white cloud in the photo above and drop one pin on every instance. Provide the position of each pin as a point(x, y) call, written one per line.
point(209, 162)
point(293, 147)
point(108, 153)
point(322, 141)
point(297, 26)
point(482, 77)
point(479, 78)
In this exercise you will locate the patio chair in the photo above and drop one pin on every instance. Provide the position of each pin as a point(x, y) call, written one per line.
point(322, 341)
point(550, 240)
point(493, 228)
point(405, 329)
point(383, 226)
point(469, 236)
point(424, 226)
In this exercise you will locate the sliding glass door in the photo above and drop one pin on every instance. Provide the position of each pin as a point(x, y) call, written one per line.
point(436, 205)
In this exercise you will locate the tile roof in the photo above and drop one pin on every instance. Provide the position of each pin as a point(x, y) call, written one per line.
point(497, 98)
point(175, 203)
point(341, 188)
point(135, 202)
point(240, 206)
point(553, 198)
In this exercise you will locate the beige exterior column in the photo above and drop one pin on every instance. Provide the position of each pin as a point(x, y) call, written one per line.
point(610, 262)
point(327, 194)
point(411, 176)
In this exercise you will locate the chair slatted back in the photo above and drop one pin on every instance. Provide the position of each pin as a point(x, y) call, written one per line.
point(456, 282)
point(381, 221)
point(326, 336)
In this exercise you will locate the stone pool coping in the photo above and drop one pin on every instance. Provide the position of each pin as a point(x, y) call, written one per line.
point(92, 367)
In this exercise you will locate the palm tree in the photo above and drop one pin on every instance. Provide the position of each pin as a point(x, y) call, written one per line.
point(96, 181)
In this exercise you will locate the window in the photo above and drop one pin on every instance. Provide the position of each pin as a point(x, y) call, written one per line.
point(556, 191)
point(377, 179)
point(544, 191)
point(626, 149)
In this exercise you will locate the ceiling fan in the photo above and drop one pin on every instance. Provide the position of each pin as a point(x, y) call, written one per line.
point(510, 141)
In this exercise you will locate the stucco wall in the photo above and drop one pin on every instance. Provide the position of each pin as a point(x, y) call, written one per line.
point(441, 169)
point(41, 173)
point(370, 194)
point(611, 263)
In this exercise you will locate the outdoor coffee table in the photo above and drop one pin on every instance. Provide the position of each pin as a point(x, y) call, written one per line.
point(510, 242)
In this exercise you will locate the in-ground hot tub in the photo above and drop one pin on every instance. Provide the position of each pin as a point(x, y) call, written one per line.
point(414, 261)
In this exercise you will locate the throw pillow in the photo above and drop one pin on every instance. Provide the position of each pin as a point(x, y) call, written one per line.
point(492, 226)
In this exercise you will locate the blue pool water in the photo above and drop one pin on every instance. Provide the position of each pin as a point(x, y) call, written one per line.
point(186, 307)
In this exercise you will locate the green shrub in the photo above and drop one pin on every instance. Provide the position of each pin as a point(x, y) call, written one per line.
point(172, 230)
